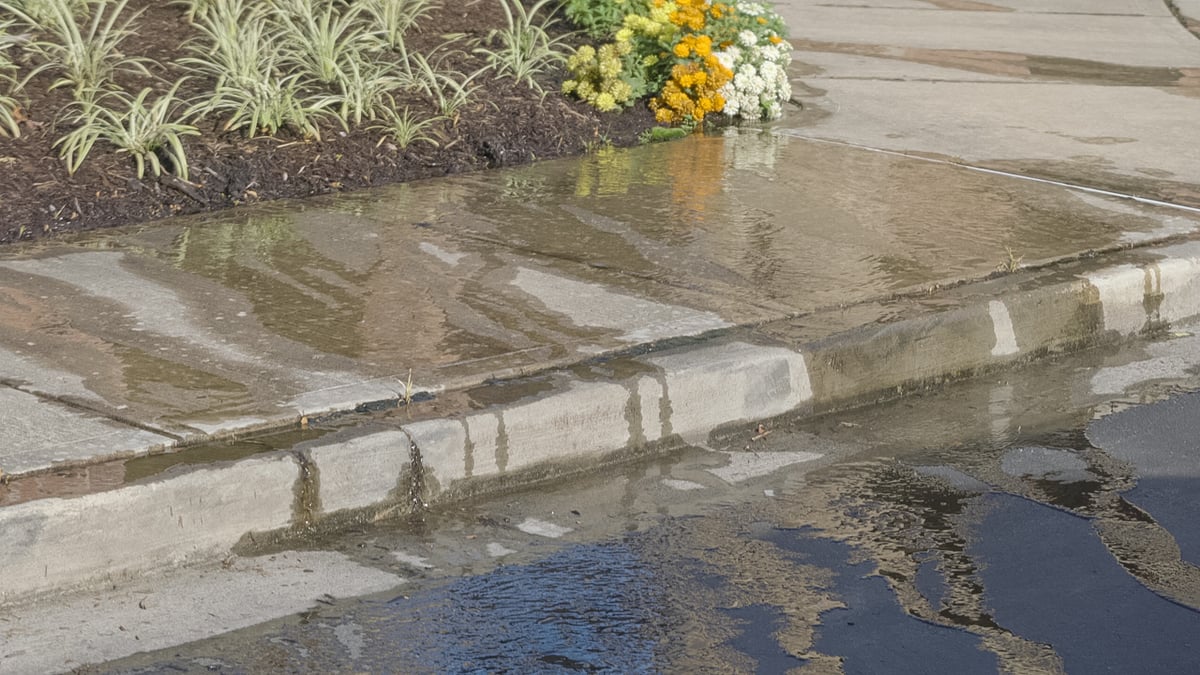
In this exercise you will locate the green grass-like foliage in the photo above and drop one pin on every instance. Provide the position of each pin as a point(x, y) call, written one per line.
point(193, 8)
point(41, 13)
point(267, 65)
point(404, 128)
point(9, 123)
point(148, 133)
point(6, 40)
point(235, 40)
point(364, 91)
point(84, 49)
point(239, 47)
point(318, 39)
point(390, 20)
point(269, 104)
point(662, 134)
point(523, 49)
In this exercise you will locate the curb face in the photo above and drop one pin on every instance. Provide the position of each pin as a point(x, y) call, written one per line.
point(52, 544)
point(672, 398)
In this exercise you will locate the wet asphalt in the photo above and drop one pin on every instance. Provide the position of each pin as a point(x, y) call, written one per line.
point(1011, 524)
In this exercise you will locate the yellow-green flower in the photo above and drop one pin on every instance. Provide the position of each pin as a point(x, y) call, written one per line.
point(605, 102)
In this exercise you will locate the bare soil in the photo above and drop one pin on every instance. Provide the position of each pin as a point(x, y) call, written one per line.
point(505, 123)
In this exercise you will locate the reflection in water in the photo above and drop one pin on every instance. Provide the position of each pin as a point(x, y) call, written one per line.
point(286, 278)
point(166, 385)
point(746, 226)
point(1008, 555)
point(586, 609)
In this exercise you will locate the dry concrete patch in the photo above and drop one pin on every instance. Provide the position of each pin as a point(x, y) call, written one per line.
point(191, 604)
point(41, 433)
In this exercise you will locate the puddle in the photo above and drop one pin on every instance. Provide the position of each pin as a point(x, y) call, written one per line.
point(330, 302)
point(1000, 524)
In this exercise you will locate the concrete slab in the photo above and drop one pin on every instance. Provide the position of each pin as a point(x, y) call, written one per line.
point(252, 319)
point(810, 67)
point(38, 434)
point(1088, 93)
point(189, 604)
point(1126, 7)
point(56, 544)
point(1188, 8)
point(1133, 7)
point(714, 394)
point(1131, 40)
point(967, 122)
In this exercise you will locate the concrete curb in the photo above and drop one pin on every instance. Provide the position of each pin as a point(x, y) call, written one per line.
point(674, 397)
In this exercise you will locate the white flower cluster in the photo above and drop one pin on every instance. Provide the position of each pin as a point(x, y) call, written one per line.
point(750, 8)
point(760, 84)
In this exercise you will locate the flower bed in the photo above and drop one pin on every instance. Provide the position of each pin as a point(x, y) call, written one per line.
point(468, 110)
point(692, 58)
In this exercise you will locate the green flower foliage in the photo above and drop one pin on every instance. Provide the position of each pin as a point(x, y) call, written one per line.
point(597, 18)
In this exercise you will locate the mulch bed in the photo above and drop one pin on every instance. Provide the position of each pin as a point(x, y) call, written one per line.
point(504, 124)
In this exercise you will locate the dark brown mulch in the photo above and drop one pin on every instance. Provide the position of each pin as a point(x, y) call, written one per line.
point(505, 124)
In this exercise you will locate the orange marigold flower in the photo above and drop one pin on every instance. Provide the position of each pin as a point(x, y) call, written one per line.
point(762, 20)
point(775, 39)
point(681, 50)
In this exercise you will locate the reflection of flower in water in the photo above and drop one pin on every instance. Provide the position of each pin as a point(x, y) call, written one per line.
point(754, 151)
point(610, 171)
point(697, 168)
point(693, 169)
point(523, 188)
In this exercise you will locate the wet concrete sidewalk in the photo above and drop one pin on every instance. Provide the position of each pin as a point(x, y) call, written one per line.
point(127, 342)
point(174, 332)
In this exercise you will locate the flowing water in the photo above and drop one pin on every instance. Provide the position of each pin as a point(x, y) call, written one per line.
point(1026, 522)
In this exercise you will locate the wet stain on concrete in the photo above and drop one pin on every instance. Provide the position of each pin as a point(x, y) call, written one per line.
point(1176, 191)
point(1152, 298)
point(307, 506)
point(1012, 64)
point(967, 6)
